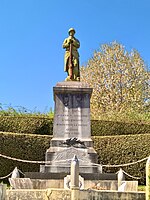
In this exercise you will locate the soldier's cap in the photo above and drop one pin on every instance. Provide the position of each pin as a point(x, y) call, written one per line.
point(71, 29)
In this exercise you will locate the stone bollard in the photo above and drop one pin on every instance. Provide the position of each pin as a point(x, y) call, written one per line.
point(74, 178)
point(120, 177)
point(148, 179)
point(15, 173)
point(2, 191)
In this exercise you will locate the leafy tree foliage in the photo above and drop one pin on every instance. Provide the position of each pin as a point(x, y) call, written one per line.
point(120, 81)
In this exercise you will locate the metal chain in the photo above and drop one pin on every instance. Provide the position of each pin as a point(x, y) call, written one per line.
point(26, 161)
point(21, 172)
point(5, 176)
point(11, 174)
point(49, 162)
point(127, 164)
point(31, 161)
point(131, 175)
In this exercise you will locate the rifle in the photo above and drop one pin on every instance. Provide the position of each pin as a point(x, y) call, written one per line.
point(70, 63)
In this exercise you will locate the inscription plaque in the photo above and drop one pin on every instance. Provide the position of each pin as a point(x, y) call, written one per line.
point(72, 114)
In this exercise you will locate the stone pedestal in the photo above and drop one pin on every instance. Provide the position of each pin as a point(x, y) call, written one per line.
point(71, 120)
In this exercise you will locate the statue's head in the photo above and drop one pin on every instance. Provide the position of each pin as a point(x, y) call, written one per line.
point(71, 31)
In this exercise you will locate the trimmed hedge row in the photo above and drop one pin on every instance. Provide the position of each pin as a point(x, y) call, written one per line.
point(114, 150)
point(22, 124)
point(110, 149)
point(104, 128)
point(23, 146)
point(44, 126)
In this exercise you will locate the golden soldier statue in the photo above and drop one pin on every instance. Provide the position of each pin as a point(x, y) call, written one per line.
point(71, 44)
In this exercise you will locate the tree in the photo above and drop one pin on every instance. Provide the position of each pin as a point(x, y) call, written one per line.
point(120, 80)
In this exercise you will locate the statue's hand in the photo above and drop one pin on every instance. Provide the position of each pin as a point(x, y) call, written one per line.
point(70, 41)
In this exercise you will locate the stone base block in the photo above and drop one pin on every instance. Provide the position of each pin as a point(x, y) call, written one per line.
point(56, 194)
point(59, 154)
point(60, 176)
point(59, 168)
point(60, 160)
point(26, 183)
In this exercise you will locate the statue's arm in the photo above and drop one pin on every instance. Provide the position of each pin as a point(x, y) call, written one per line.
point(66, 43)
point(76, 43)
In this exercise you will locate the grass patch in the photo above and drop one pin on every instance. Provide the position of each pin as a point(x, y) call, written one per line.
point(142, 188)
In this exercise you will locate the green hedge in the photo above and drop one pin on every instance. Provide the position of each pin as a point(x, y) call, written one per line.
point(26, 124)
point(110, 149)
point(23, 146)
point(104, 128)
point(44, 126)
point(114, 150)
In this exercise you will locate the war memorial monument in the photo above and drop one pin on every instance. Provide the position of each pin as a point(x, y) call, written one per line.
point(71, 164)
point(71, 126)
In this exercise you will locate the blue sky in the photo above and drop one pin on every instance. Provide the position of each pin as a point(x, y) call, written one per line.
point(31, 36)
